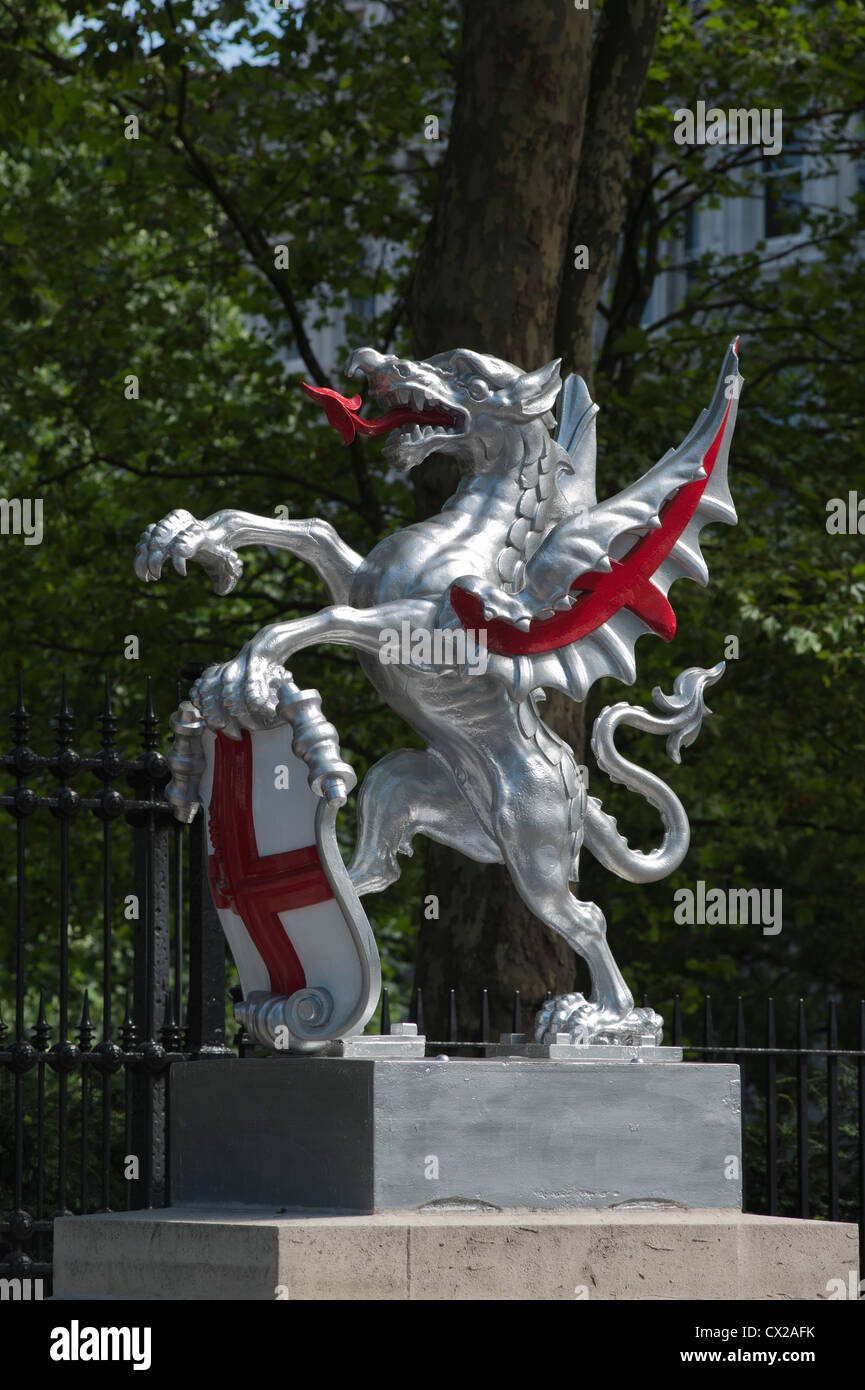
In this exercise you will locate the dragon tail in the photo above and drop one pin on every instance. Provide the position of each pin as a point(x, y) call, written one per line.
point(680, 723)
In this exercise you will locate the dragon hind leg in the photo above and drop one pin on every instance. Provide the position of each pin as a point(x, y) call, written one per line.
point(586, 1021)
point(541, 873)
point(411, 792)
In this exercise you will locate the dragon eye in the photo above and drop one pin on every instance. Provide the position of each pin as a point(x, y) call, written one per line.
point(478, 389)
point(402, 369)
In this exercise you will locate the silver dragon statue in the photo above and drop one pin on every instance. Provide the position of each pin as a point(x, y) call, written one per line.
point(552, 586)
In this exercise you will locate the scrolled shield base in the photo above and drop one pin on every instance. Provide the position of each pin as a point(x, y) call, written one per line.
point(287, 1022)
point(588, 1022)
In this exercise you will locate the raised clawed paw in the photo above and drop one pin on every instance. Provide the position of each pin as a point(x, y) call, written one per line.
point(586, 1021)
point(498, 603)
point(240, 694)
point(180, 538)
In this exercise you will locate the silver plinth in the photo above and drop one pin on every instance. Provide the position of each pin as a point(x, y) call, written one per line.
point(562, 1048)
point(354, 1134)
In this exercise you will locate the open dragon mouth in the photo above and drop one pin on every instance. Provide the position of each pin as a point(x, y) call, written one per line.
point(407, 410)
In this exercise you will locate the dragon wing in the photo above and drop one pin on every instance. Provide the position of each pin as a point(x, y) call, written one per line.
point(599, 580)
point(575, 432)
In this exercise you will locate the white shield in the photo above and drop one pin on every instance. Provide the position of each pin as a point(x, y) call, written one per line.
point(301, 941)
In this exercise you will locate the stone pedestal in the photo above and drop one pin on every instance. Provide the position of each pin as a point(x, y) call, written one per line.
point(196, 1253)
point(391, 1177)
point(353, 1135)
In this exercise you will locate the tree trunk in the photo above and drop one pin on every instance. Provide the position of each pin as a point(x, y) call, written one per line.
point(489, 277)
point(623, 51)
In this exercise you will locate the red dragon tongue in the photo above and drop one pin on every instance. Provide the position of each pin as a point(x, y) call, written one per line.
point(342, 413)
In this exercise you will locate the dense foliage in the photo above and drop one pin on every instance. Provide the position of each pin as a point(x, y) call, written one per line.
point(154, 257)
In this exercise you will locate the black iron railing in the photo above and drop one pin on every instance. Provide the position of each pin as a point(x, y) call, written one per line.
point(95, 1139)
point(84, 1104)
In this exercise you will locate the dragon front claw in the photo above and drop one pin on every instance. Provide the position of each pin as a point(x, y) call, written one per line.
point(498, 604)
point(179, 538)
point(241, 694)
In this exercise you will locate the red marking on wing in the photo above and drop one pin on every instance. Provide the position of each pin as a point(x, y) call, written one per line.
point(256, 886)
point(650, 603)
point(628, 585)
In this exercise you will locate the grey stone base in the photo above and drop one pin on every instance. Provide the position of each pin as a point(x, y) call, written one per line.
point(365, 1135)
point(566, 1255)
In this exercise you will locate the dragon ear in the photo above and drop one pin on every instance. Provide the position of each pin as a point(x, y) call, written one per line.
point(536, 392)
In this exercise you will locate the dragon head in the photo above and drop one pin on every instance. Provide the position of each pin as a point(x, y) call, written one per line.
point(458, 402)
